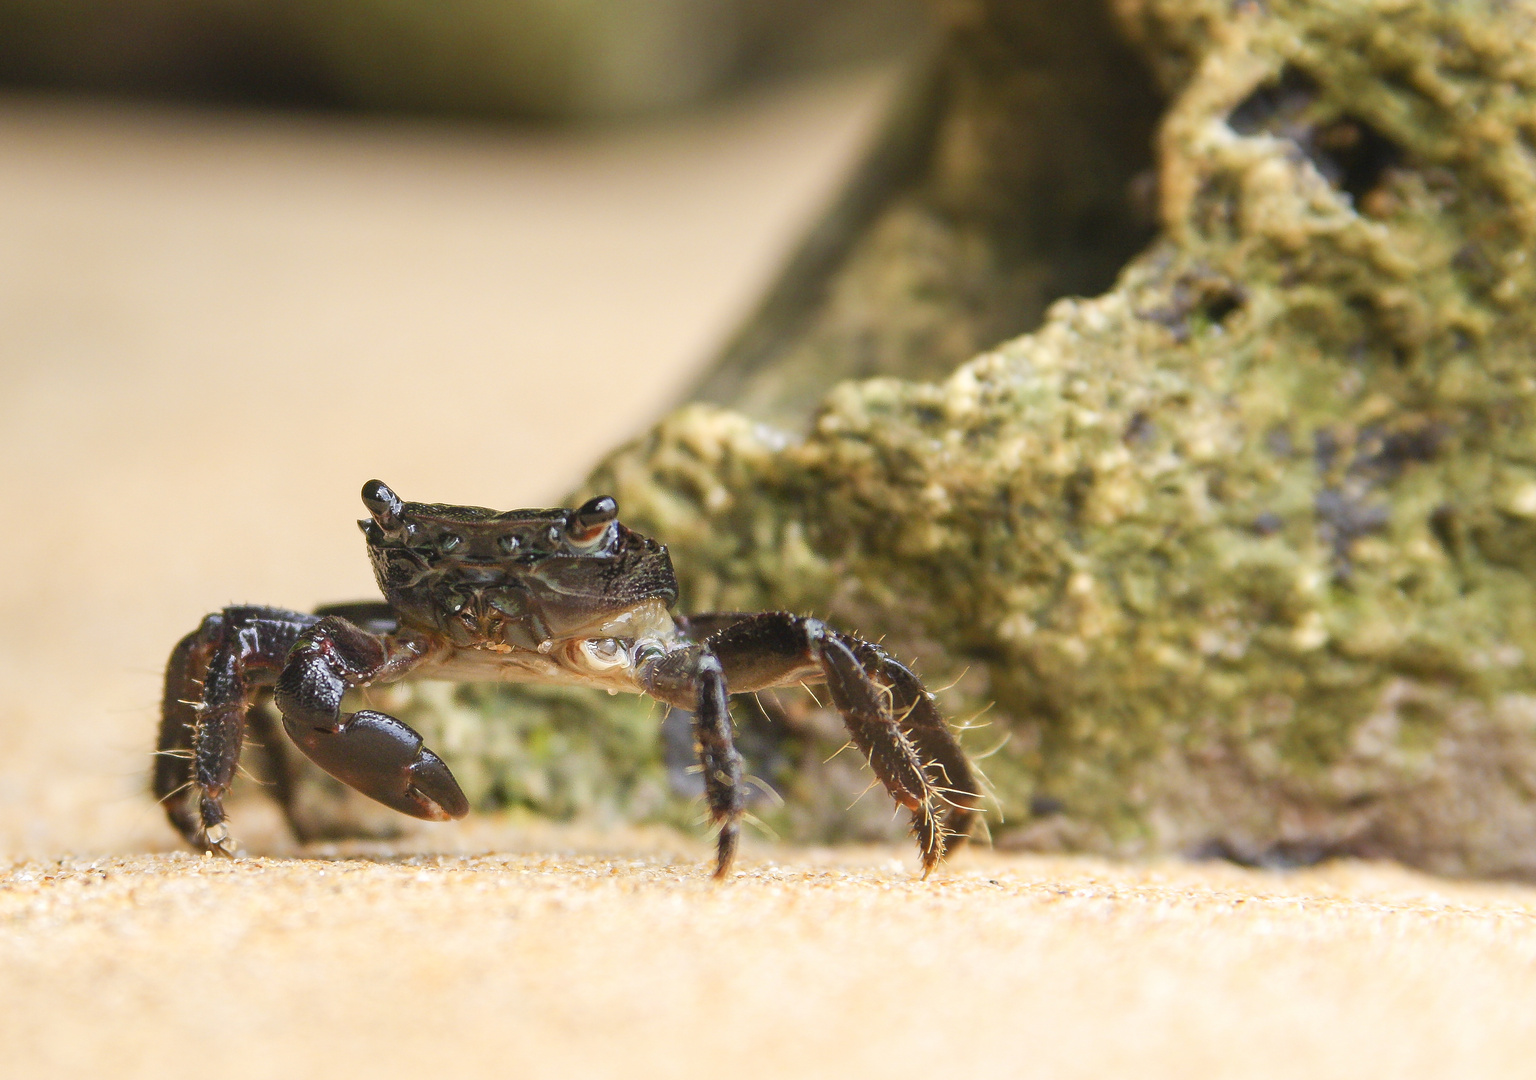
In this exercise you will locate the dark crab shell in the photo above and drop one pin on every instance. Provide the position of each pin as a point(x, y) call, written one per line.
point(519, 578)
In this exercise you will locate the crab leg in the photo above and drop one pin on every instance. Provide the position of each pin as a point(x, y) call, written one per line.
point(214, 674)
point(692, 679)
point(367, 750)
point(279, 770)
point(888, 714)
point(944, 759)
point(172, 776)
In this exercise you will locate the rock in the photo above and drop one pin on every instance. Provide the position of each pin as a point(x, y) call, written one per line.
point(1241, 551)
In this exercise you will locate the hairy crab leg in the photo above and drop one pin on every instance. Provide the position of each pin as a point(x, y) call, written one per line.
point(370, 751)
point(213, 675)
point(943, 758)
point(889, 716)
point(172, 775)
point(692, 679)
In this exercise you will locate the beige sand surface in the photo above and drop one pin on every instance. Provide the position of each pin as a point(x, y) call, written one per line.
point(567, 965)
point(212, 329)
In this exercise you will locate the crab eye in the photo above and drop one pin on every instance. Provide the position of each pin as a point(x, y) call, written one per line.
point(508, 543)
point(384, 505)
point(591, 519)
point(448, 541)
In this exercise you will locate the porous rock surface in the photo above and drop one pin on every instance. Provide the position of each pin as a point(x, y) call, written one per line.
point(1240, 551)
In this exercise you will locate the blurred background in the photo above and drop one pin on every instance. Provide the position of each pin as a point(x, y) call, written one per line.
point(555, 59)
point(254, 253)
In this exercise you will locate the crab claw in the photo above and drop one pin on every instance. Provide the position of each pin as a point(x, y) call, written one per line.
point(385, 760)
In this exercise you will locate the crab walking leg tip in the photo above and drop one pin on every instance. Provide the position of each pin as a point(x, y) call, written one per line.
point(725, 852)
point(219, 842)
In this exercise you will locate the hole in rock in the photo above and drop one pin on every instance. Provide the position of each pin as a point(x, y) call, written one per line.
point(1346, 150)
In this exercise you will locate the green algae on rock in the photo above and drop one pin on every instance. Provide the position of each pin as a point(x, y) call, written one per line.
point(1242, 550)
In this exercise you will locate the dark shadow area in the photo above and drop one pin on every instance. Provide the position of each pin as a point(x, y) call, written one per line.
point(170, 49)
point(1016, 169)
point(513, 58)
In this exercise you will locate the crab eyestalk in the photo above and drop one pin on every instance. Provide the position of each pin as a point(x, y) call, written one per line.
point(384, 506)
point(589, 522)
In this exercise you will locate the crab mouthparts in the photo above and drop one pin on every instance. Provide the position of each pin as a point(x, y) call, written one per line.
point(472, 619)
point(485, 620)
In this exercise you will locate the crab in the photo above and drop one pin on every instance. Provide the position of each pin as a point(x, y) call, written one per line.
point(567, 596)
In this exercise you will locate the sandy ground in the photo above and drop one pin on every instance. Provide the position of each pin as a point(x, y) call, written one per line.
point(562, 965)
point(213, 327)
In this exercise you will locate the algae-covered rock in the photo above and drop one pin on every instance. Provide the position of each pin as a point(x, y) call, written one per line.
point(1241, 552)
